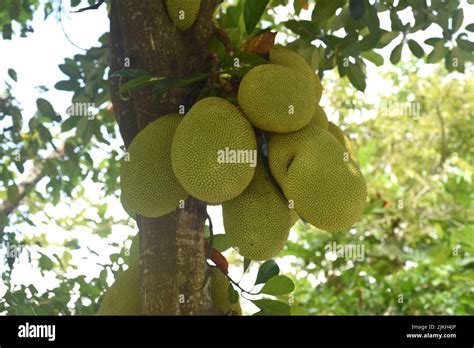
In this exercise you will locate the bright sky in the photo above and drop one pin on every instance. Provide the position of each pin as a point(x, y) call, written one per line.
point(36, 59)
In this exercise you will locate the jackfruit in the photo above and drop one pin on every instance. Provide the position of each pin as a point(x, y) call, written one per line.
point(149, 186)
point(326, 187)
point(220, 294)
point(123, 297)
point(291, 59)
point(320, 119)
point(183, 13)
point(258, 221)
point(342, 139)
point(277, 99)
point(214, 151)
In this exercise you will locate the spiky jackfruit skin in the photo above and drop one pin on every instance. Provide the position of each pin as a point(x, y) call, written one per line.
point(149, 186)
point(183, 13)
point(258, 221)
point(276, 98)
point(123, 297)
point(212, 125)
point(341, 138)
point(220, 294)
point(327, 187)
point(320, 119)
point(291, 59)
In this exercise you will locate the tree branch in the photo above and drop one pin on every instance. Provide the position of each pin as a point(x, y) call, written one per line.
point(92, 7)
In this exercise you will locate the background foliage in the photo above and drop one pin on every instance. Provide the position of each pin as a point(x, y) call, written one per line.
point(417, 230)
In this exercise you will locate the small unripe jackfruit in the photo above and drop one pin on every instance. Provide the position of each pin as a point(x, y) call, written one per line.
point(277, 99)
point(220, 294)
point(123, 297)
point(342, 138)
point(183, 13)
point(312, 168)
point(258, 221)
point(214, 151)
point(291, 59)
point(149, 186)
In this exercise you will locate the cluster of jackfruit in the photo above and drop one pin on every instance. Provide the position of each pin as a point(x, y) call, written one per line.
point(212, 153)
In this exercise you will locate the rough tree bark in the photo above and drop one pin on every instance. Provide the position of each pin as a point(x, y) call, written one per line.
point(172, 256)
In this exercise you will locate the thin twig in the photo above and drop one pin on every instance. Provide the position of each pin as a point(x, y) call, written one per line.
point(92, 7)
point(222, 36)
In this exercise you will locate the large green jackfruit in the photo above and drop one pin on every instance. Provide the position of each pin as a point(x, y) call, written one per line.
point(291, 59)
point(258, 221)
point(214, 151)
point(123, 297)
point(326, 186)
point(149, 186)
point(183, 13)
point(342, 138)
point(276, 98)
point(220, 294)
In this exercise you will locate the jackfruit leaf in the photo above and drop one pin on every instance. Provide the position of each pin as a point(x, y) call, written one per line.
point(260, 44)
point(47, 110)
point(70, 70)
point(416, 49)
point(470, 27)
point(466, 45)
point(221, 242)
point(325, 9)
point(140, 83)
point(278, 285)
point(12, 74)
point(69, 85)
point(374, 57)
point(356, 75)
point(387, 37)
point(164, 84)
point(396, 54)
point(233, 294)
point(272, 307)
point(300, 5)
point(253, 11)
point(130, 73)
point(357, 8)
point(246, 264)
point(397, 24)
point(432, 41)
point(303, 28)
point(267, 270)
point(438, 53)
point(457, 20)
point(45, 263)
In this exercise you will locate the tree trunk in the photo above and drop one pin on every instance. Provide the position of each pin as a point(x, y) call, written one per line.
point(172, 255)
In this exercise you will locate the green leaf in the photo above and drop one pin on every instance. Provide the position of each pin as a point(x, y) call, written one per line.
point(457, 20)
point(387, 37)
point(272, 307)
point(357, 8)
point(139, 83)
point(397, 24)
point(356, 75)
point(325, 9)
point(13, 75)
point(70, 85)
point(221, 242)
point(374, 57)
point(267, 270)
point(253, 11)
point(396, 54)
point(438, 53)
point(466, 45)
point(12, 194)
point(233, 294)
point(470, 27)
point(278, 285)
point(45, 263)
point(130, 73)
point(416, 49)
point(70, 70)
point(46, 109)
